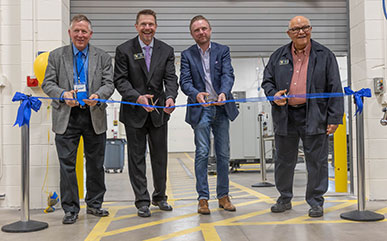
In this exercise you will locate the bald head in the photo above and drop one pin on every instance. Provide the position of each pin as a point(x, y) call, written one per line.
point(298, 19)
point(300, 31)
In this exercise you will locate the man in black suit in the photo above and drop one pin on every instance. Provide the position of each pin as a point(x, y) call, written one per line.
point(145, 73)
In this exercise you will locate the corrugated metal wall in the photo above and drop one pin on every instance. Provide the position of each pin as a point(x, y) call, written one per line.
point(250, 28)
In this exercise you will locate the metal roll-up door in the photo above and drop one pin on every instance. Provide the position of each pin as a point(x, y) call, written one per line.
point(250, 28)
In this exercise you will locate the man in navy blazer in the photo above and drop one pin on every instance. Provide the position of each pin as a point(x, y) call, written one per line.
point(206, 75)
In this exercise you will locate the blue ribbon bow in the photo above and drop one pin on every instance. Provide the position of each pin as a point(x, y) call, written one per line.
point(24, 111)
point(365, 92)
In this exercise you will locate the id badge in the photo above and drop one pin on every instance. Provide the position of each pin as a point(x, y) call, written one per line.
point(81, 94)
point(80, 87)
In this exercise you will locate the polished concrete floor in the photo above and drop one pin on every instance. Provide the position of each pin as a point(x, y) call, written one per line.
point(252, 220)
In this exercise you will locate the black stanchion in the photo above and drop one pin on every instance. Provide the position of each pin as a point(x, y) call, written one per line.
point(361, 214)
point(25, 224)
point(264, 182)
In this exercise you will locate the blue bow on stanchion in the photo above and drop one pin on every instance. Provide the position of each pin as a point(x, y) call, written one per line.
point(365, 92)
point(24, 111)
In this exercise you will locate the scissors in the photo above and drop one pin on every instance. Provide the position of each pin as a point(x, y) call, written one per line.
point(154, 103)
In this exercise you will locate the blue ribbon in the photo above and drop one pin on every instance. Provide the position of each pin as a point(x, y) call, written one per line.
point(365, 92)
point(24, 111)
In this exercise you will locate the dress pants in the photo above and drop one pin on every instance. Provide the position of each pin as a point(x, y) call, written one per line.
point(157, 140)
point(94, 148)
point(316, 158)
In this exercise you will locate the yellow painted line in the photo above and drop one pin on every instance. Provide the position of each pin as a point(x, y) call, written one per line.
point(248, 190)
point(300, 219)
point(102, 225)
point(209, 232)
point(169, 191)
point(150, 224)
point(196, 229)
point(382, 211)
point(175, 234)
point(253, 193)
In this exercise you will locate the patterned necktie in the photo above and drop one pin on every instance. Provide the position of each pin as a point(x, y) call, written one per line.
point(147, 56)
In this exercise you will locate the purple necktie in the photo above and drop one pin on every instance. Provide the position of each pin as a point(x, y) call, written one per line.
point(147, 56)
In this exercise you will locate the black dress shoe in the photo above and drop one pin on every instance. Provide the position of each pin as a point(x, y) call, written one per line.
point(144, 212)
point(70, 218)
point(280, 207)
point(316, 211)
point(99, 212)
point(163, 205)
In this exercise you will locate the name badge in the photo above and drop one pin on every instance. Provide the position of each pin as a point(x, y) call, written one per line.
point(283, 62)
point(138, 56)
point(80, 87)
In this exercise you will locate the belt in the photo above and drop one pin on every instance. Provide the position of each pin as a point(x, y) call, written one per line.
point(297, 106)
point(84, 107)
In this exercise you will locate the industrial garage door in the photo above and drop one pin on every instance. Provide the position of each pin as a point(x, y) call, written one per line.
point(250, 28)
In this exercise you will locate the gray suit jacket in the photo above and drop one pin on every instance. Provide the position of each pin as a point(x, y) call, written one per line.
point(59, 78)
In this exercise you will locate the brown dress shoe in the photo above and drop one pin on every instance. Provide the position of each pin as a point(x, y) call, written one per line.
point(226, 204)
point(203, 207)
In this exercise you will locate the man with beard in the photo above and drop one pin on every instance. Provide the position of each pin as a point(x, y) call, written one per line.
point(300, 67)
point(145, 73)
point(207, 76)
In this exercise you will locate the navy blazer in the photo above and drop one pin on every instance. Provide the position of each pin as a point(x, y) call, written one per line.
point(192, 79)
point(322, 77)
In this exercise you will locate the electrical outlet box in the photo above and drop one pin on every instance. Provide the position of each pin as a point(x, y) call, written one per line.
point(378, 86)
point(2, 196)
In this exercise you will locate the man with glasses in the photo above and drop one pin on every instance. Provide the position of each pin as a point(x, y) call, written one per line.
point(299, 68)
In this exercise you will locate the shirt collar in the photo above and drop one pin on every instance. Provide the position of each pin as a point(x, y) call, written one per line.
point(200, 49)
point(305, 51)
point(84, 51)
point(142, 44)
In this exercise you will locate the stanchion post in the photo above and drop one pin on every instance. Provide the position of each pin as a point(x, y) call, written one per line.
point(25, 224)
point(263, 183)
point(361, 214)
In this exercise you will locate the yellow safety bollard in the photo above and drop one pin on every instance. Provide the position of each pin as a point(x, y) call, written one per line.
point(79, 169)
point(340, 157)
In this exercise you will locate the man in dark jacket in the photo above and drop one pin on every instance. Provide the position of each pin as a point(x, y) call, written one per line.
point(298, 68)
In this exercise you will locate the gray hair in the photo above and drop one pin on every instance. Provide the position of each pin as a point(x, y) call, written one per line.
point(79, 18)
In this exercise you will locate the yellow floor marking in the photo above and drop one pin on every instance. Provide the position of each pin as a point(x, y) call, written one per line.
point(209, 232)
point(149, 224)
point(253, 193)
point(327, 210)
point(169, 191)
point(102, 225)
point(175, 234)
point(382, 210)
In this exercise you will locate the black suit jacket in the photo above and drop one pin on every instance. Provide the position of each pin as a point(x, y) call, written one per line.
point(132, 79)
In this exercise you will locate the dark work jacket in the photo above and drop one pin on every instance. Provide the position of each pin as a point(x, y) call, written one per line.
point(322, 77)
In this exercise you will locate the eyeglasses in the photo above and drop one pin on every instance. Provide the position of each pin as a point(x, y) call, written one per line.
point(305, 29)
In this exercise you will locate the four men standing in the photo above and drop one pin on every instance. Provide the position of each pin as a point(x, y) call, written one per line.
point(145, 73)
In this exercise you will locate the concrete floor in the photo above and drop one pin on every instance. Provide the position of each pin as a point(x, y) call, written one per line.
point(252, 220)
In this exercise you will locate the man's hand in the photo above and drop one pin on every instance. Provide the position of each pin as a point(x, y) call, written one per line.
point(143, 99)
point(169, 102)
point(282, 101)
point(201, 98)
point(90, 101)
point(221, 97)
point(70, 95)
point(331, 129)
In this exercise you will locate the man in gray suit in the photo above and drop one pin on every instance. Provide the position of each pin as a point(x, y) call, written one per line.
point(145, 73)
point(77, 74)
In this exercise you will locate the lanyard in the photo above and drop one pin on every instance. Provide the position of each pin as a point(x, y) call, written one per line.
point(83, 64)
